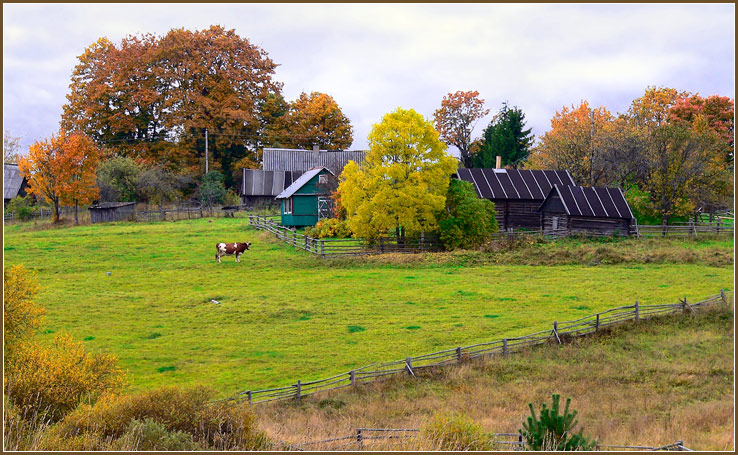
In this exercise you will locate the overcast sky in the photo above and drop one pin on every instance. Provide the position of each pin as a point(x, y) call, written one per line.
point(374, 58)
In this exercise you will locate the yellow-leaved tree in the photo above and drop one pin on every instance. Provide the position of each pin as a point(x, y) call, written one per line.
point(402, 182)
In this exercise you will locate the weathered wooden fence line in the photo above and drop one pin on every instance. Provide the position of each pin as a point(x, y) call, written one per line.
point(558, 333)
point(343, 247)
point(688, 229)
point(512, 441)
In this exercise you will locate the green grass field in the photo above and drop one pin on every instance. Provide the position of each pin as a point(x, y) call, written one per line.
point(286, 315)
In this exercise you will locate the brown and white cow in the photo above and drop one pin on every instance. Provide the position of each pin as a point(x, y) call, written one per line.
point(227, 249)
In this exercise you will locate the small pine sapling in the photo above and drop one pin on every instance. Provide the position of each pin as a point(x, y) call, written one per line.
point(554, 431)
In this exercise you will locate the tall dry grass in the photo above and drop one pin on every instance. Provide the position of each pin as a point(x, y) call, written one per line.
point(647, 384)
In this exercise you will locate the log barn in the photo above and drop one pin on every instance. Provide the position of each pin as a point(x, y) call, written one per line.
point(575, 210)
point(517, 194)
point(113, 211)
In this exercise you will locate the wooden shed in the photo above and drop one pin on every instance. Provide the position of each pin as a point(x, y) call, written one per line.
point(517, 194)
point(305, 202)
point(14, 184)
point(261, 187)
point(112, 211)
point(572, 209)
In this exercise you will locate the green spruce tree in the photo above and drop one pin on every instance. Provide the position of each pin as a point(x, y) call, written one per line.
point(505, 136)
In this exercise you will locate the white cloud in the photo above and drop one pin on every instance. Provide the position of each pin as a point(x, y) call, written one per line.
point(373, 58)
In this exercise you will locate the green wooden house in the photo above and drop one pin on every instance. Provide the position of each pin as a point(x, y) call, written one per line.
point(304, 202)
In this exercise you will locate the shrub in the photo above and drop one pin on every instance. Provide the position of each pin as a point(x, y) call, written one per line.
point(212, 189)
point(554, 431)
point(329, 228)
point(151, 435)
point(117, 179)
point(219, 426)
point(456, 432)
point(20, 207)
point(467, 221)
point(58, 376)
point(231, 198)
point(21, 316)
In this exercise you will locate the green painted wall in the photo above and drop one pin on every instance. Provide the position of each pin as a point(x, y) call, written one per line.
point(305, 208)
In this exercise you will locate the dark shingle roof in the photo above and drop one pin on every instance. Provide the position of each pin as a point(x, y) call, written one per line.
point(12, 181)
point(514, 183)
point(600, 202)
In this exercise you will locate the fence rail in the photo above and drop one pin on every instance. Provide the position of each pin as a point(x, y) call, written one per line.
point(343, 247)
point(362, 437)
point(559, 333)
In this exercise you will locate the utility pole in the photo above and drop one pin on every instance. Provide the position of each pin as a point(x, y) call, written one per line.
point(206, 150)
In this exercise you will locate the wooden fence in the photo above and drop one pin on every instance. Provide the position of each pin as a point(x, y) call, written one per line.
point(690, 229)
point(559, 332)
point(363, 437)
point(343, 247)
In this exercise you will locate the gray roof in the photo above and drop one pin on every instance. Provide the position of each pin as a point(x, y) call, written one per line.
point(276, 159)
point(255, 182)
point(598, 202)
point(300, 182)
point(111, 205)
point(514, 183)
point(12, 181)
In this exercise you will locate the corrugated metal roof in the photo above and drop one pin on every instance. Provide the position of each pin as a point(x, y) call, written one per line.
point(255, 182)
point(300, 182)
point(275, 159)
point(12, 181)
point(514, 183)
point(596, 202)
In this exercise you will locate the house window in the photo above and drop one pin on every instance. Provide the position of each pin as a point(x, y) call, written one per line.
point(288, 205)
point(322, 179)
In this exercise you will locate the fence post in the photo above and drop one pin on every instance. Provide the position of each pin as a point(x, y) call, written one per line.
point(724, 297)
point(381, 245)
point(294, 237)
point(504, 346)
point(360, 438)
point(352, 375)
point(322, 248)
point(306, 242)
point(692, 228)
point(556, 332)
point(597, 322)
point(459, 355)
point(718, 226)
point(409, 366)
point(299, 390)
point(638, 312)
point(248, 395)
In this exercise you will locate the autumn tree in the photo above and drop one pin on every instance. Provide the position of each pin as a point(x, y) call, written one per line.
point(718, 113)
point(456, 118)
point(153, 97)
point(11, 147)
point(401, 185)
point(314, 119)
point(62, 170)
point(576, 142)
point(505, 136)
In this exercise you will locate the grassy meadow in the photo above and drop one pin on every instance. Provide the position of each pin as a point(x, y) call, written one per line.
point(284, 314)
point(649, 384)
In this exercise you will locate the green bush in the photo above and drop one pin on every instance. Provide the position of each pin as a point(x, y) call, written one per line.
point(150, 435)
point(554, 431)
point(219, 426)
point(456, 432)
point(231, 198)
point(467, 221)
point(212, 189)
point(329, 228)
point(20, 207)
point(117, 179)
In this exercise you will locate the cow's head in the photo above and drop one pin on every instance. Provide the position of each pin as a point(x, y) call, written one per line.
point(248, 244)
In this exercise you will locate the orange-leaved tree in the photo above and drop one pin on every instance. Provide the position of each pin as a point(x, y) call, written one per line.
point(314, 119)
point(62, 170)
point(576, 142)
point(456, 118)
